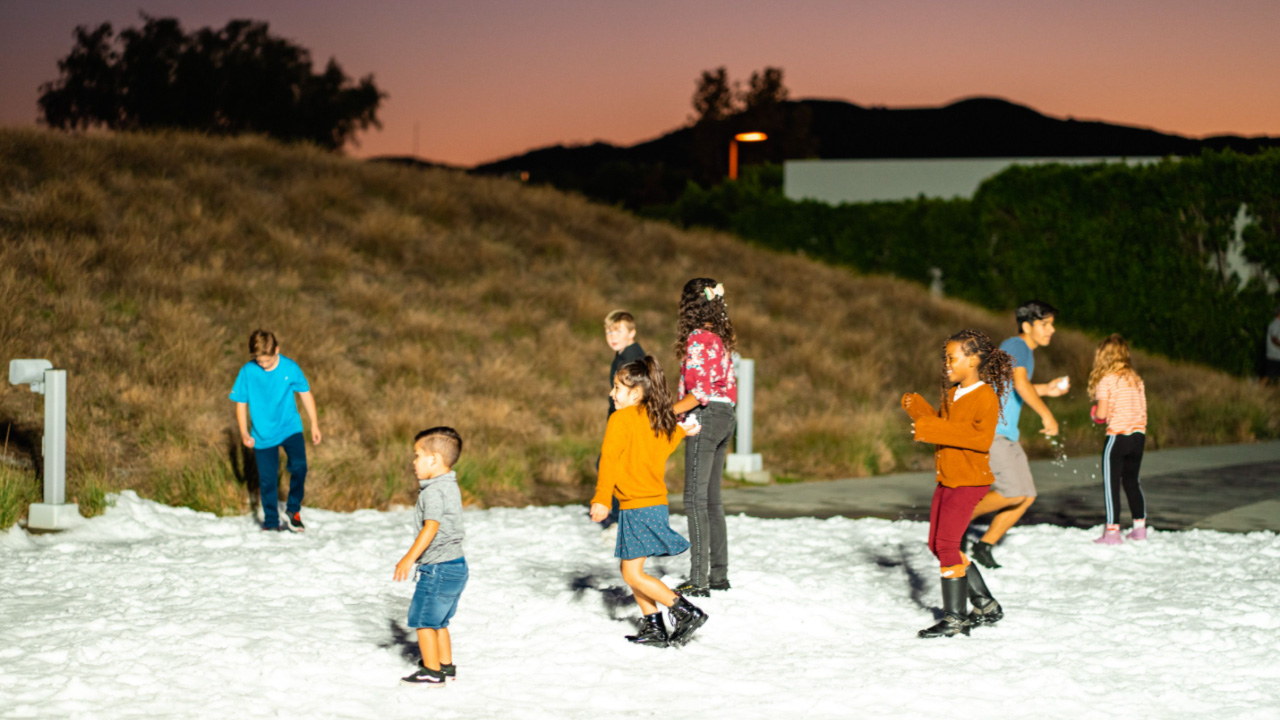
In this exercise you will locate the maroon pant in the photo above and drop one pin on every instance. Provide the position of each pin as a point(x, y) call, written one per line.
point(949, 517)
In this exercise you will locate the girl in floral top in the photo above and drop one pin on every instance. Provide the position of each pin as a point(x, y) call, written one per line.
point(709, 391)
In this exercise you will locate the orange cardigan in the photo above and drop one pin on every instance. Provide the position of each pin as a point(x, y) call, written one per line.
point(633, 461)
point(963, 437)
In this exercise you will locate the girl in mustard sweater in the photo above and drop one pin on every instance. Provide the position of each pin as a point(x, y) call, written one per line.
point(975, 377)
point(641, 435)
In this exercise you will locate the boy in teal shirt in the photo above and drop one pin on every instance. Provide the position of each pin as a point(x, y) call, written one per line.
point(263, 394)
point(1014, 490)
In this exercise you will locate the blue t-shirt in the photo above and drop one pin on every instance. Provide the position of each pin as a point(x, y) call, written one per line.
point(273, 413)
point(1012, 408)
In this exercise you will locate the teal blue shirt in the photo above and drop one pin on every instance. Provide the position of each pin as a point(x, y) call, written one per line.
point(273, 413)
point(1012, 408)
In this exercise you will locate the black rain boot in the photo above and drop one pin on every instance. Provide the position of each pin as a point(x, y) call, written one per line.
point(986, 611)
point(982, 553)
point(653, 632)
point(685, 619)
point(955, 616)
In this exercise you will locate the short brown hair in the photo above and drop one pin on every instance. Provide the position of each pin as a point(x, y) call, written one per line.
point(620, 317)
point(443, 440)
point(262, 342)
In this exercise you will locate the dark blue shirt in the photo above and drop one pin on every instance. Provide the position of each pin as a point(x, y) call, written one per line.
point(626, 356)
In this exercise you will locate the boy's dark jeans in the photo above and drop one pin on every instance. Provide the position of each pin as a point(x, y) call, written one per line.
point(703, 469)
point(295, 449)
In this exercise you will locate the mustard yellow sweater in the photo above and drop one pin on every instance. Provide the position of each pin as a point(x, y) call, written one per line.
point(633, 460)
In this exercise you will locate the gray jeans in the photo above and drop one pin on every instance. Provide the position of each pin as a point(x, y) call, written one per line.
point(703, 468)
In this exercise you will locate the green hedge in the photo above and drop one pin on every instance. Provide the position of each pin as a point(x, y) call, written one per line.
point(1138, 250)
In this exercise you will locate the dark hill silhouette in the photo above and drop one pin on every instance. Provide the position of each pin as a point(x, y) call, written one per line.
point(990, 127)
point(655, 171)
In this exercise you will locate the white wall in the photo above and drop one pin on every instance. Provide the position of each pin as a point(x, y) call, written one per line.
point(841, 181)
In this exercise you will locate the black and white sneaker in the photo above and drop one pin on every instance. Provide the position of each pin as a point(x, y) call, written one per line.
point(425, 676)
point(295, 523)
point(688, 589)
point(450, 670)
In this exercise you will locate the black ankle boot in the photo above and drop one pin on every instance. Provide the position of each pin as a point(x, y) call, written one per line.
point(986, 611)
point(685, 619)
point(653, 631)
point(982, 553)
point(955, 617)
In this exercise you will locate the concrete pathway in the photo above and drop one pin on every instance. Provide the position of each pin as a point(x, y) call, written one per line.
point(1233, 488)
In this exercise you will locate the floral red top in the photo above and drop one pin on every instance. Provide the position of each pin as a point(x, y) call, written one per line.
point(707, 372)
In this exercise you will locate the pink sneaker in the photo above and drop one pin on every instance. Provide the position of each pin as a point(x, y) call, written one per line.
point(1138, 533)
point(1110, 537)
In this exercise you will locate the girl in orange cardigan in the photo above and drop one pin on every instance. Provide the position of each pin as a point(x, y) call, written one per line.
point(975, 377)
point(641, 435)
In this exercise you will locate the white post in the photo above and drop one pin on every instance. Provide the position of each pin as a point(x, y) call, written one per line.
point(55, 513)
point(743, 462)
point(55, 437)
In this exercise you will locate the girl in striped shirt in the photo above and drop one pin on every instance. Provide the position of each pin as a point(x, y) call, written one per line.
point(1122, 405)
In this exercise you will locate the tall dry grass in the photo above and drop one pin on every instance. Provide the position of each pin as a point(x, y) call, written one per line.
point(415, 298)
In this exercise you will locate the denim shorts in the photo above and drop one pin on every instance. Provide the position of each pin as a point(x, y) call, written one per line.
point(435, 599)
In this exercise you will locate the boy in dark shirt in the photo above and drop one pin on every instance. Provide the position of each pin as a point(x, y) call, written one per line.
point(620, 334)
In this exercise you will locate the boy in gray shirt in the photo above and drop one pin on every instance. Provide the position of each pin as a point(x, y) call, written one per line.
point(436, 554)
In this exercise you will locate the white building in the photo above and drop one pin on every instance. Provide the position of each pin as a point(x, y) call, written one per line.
point(844, 181)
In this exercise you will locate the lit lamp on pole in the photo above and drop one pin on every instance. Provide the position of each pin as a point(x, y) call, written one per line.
point(733, 149)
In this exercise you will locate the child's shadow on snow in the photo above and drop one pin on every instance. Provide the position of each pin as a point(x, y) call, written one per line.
point(406, 641)
point(618, 599)
point(915, 581)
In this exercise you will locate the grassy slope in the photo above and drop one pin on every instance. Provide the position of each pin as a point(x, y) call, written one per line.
point(414, 298)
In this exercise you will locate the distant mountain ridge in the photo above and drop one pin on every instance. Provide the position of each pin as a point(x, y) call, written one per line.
point(976, 127)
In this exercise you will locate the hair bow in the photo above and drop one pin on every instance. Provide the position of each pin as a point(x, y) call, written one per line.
point(715, 292)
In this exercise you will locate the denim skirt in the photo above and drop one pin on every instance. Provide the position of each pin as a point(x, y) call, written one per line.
point(646, 532)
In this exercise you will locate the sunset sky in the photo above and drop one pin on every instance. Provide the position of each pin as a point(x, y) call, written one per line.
point(484, 79)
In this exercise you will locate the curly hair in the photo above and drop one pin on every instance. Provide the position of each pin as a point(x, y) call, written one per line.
point(647, 375)
point(995, 366)
point(1112, 356)
point(699, 312)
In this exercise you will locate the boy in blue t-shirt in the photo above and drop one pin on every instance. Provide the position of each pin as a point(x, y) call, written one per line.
point(263, 393)
point(1014, 489)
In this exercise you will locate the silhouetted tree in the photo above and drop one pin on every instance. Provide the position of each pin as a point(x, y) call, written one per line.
point(240, 79)
point(714, 99)
point(765, 89)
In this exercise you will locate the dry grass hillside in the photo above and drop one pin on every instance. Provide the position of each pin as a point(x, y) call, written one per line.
point(414, 298)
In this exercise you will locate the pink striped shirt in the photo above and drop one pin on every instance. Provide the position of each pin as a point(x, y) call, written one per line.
point(1126, 399)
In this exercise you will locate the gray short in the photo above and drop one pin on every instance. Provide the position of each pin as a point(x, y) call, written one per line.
point(1010, 468)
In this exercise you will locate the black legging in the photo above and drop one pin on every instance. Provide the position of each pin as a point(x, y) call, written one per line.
point(1121, 461)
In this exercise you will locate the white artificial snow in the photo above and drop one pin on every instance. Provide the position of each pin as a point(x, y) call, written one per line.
point(158, 612)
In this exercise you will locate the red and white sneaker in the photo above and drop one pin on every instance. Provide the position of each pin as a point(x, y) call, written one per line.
point(295, 523)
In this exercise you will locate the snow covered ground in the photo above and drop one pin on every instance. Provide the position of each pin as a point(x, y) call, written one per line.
point(159, 612)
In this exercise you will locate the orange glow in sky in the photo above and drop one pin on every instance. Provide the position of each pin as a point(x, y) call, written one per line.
point(476, 80)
